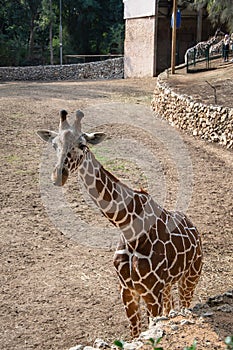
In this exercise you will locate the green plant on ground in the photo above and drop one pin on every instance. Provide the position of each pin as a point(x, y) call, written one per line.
point(192, 347)
point(119, 343)
point(229, 342)
point(155, 342)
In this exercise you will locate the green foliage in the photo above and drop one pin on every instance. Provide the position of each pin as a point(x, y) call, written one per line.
point(89, 27)
point(155, 342)
point(119, 343)
point(229, 342)
point(220, 12)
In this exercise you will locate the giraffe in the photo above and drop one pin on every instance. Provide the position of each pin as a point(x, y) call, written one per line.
point(157, 248)
point(200, 48)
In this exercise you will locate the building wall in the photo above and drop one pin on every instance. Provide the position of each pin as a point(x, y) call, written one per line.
point(139, 47)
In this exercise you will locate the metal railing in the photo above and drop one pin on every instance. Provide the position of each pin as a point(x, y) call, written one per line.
point(91, 58)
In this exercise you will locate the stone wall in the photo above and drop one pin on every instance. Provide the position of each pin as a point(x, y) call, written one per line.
point(211, 123)
point(108, 69)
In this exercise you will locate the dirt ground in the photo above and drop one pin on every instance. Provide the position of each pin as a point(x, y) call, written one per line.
point(59, 290)
point(211, 87)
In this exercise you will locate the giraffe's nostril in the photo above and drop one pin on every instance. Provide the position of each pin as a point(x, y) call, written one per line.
point(65, 174)
point(65, 171)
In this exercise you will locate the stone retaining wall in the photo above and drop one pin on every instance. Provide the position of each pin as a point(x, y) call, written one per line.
point(108, 69)
point(211, 123)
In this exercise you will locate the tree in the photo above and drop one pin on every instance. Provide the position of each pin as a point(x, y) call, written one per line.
point(29, 29)
point(220, 12)
point(33, 8)
point(13, 32)
point(93, 26)
point(47, 20)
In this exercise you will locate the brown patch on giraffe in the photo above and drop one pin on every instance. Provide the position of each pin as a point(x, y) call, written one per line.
point(121, 215)
point(130, 206)
point(144, 267)
point(125, 223)
point(193, 235)
point(138, 205)
point(109, 175)
point(180, 261)
point(102, 175)
point(99, 186)
point(162, 232)
point(149, 280)
point(159, 249)
point(107, 196)
point(153, 233)
point(89, 180)
point(177, 241)
point(109, 185)
point(94, 193)
point(144, 245)
point(186, 241)
point(140, 288)
point(163, 215)
point(170, 253)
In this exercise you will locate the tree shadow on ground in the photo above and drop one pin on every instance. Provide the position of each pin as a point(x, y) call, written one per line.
point(218, 312)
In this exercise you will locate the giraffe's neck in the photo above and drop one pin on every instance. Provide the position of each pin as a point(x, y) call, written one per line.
point(134, 212)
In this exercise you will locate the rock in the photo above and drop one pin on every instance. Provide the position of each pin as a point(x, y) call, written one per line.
point(132, 346)
point(108, 69)
point(207, 314)
point(77, 347)
point(185, 322)
point(174, 327)
point(230, 293)
point(211, 123)
point(225, 308)
point(154, 332)
point(101, 344)
point(88, 348)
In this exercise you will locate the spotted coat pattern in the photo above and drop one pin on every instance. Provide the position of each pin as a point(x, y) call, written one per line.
point(157, 248)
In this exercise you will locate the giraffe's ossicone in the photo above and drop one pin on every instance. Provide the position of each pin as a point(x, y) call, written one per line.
point(157, 248)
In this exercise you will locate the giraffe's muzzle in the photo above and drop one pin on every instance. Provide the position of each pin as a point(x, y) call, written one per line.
point(60, 176)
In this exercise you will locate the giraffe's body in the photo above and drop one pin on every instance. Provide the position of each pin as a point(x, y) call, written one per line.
point(200, 48)
point(216, 48)
point(157, 248)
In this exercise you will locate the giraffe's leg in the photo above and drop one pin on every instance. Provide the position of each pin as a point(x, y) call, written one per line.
point(130, 299)
point(187, 284)
point(168, 302)
point(153, 303)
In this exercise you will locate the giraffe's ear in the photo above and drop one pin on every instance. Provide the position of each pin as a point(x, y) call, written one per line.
point(46, 135)
point(95, 137)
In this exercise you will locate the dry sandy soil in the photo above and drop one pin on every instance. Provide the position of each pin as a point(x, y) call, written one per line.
point(58, 285)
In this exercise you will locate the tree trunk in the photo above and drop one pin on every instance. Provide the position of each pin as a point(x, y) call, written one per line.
point(31, 40)
point(51, 32)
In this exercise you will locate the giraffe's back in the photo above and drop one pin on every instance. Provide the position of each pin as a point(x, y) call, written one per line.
point(161, 256)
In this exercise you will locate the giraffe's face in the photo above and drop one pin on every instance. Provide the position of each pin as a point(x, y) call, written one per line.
point(70, 143)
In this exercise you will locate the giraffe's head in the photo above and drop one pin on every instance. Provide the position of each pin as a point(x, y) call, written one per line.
point(70, 143)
